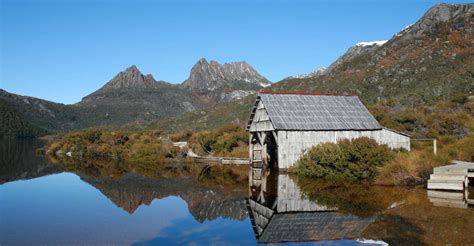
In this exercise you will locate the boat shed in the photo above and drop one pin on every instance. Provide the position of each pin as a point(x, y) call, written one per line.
point(283, 126)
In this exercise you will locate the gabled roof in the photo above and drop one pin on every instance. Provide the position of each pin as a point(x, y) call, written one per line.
point(313, 226)
point(316, 111)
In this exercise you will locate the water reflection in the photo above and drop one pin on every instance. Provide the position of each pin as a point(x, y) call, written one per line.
point(19, 161)
point(452, 199)
point(86, 202)
point(204, 202)
point(281, 212)
point(284, 208)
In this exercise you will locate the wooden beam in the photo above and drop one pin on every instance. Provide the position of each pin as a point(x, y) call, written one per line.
point(275, 135)
point(259, 135)
point(264, 136)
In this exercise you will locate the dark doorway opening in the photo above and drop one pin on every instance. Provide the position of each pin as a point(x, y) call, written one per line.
point(272, 151)
point(470, 189)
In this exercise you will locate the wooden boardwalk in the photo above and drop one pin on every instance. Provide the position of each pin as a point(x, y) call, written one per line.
point(219, 160)
point(452, 177)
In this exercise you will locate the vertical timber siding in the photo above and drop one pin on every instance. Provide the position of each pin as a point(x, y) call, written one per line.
point(291, 144)
point(261, 120)
point(291, 199)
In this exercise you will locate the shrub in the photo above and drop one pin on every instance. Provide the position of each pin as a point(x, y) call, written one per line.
point(141, 147)
point(349, 159)
point(181, 136)
point(230, 140)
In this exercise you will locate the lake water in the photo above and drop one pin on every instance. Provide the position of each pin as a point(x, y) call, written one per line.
point(91, 204)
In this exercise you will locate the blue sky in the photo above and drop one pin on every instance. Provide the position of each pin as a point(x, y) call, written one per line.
point(62, 50)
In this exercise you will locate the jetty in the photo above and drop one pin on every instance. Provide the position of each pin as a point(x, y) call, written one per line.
point(455, 177)
point(210, 160)
point(219, 160)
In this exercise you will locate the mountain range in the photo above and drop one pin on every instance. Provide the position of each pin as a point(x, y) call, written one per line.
point(430, 60)
point(131, 97)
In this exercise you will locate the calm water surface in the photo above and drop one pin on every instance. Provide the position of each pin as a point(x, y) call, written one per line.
point(88, 204)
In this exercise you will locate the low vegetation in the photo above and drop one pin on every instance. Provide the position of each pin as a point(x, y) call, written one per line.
point(450, 122)
point(356, 159)
point(444, 118)
point(145, 147)
point(14, 125)
point(230, 140)
point(414, 167)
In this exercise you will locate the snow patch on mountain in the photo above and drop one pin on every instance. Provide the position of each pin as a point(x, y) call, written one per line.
point(378, 43)
point(403, 30)
point(317, 72)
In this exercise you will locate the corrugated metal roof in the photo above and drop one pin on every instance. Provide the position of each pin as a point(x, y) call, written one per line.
point(317, 112)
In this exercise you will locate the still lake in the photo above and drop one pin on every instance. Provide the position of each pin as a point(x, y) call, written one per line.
point(43, 203)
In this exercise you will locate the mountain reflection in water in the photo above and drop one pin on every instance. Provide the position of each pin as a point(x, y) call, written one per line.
point(105, 203)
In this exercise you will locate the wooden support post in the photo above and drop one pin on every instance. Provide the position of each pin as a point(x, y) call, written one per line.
point(435, 147)
point(275, 135)
point(251, 147)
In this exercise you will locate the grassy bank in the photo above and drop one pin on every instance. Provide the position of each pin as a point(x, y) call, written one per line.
point(96, 144)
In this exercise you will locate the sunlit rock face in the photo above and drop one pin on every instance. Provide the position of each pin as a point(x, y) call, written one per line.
point(211, 76)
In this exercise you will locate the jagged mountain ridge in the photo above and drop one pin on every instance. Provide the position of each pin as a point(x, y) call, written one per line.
point(131, 96)
point(430, 60)
point(224, 82)
point(131, 78)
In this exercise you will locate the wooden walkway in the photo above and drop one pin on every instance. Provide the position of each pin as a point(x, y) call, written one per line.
point(219, 160)
point(452, 177)
point(194, 158)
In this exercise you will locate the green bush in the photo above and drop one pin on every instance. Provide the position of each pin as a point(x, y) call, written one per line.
point(349, 159)
point(230, 140)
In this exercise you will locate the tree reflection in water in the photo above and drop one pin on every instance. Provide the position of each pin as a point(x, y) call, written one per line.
point(284, 208)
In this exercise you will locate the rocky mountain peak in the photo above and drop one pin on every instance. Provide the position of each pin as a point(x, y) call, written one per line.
point(132, 70)
point(212, 76)
point(130, 78)
point(202, 61)
point(438, 15)
point(444, 12)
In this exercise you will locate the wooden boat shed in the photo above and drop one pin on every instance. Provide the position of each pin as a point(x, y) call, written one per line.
point(280, 212)
point(283, 126)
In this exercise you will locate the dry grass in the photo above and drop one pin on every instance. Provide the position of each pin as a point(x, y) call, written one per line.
point(409, 168)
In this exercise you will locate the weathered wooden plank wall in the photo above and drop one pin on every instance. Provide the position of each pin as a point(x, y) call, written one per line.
point(261, 120)
point(291, 199)
point(292, 144)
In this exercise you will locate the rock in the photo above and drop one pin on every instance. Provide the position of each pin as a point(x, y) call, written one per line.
point(214, 77)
